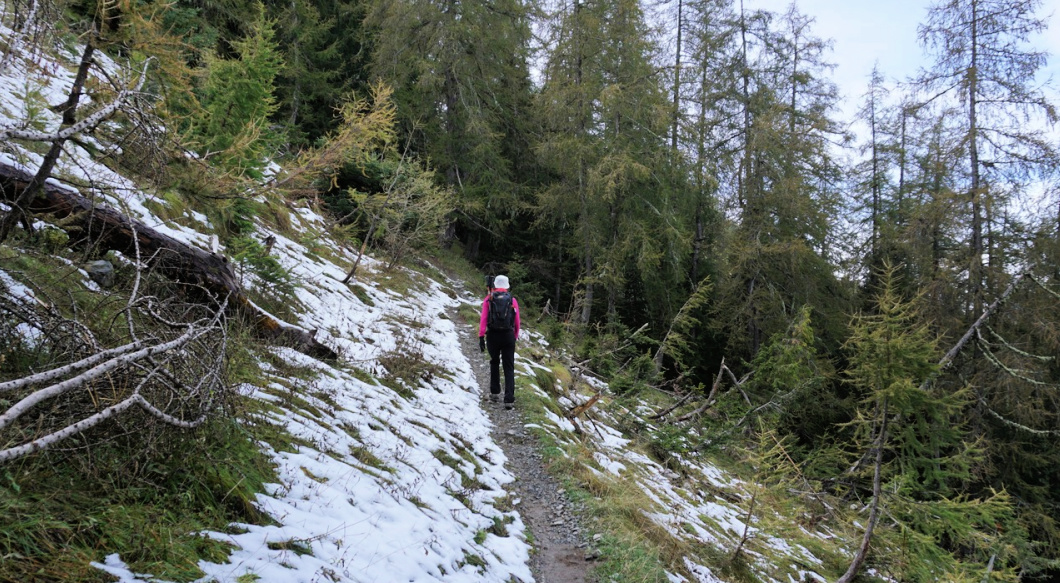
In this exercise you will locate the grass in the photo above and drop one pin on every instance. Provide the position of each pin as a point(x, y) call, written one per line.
point(130, 486)
point(366, 457)
point(61, 510)
point(362, 294)
point(452, 264)
point(296, 546)
point(633, 547)
point(407, 367)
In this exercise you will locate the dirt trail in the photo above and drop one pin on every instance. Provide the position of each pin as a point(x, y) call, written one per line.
point(561, 554)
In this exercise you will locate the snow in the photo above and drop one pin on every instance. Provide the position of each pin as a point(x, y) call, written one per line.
point(382, 487)
point(15, 289)
point(385, 484)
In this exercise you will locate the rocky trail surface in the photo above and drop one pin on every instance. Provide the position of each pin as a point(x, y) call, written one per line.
point(561, 551)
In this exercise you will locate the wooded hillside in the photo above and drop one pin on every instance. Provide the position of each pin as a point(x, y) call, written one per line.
point(674, 183)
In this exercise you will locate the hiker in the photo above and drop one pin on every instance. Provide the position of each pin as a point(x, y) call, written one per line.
point(498, 329)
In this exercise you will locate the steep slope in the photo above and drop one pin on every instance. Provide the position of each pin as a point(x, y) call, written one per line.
point(390, 472)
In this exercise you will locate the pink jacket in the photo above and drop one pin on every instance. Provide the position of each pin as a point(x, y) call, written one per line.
point(485, 314)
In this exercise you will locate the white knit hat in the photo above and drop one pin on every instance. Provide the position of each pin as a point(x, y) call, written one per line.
point(500, 282)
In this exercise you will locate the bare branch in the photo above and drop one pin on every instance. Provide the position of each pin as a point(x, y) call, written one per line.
point(62, 371)
point(16, 410)
point(874, 512)
point(53, 438)
point(956, 349)
point(84, 125)
point(17, 39)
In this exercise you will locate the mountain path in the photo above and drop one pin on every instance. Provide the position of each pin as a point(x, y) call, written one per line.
point(561, 552)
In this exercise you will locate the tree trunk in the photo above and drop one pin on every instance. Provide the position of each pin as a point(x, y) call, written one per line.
point(976, 267)
point(874, 513)
point(901, 169)
point(19, 210)
point(875, 181)
point(108, 229)
point(677, 84)
point(587, 302)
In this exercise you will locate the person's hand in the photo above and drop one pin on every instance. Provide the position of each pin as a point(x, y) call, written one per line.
point(482, 344)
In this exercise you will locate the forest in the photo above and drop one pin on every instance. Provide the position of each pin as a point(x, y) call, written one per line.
point(672, 192)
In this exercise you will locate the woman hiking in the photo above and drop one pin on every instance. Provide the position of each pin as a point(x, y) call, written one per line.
point(498, 329)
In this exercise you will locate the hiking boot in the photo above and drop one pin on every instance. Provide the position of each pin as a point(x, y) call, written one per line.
point(509, 406)
point(494, 397)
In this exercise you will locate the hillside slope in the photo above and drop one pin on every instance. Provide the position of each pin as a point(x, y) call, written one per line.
point(391, 472)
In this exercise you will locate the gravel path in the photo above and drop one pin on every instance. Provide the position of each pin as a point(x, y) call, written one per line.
point(561, 554)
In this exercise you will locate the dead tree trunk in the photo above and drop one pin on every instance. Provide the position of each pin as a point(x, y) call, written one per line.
point(37, 183)
point(176, 260)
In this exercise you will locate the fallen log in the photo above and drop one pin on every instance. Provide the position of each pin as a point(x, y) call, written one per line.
point(98, 225)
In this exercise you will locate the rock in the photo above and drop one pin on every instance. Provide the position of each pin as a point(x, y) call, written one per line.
point(101, 272)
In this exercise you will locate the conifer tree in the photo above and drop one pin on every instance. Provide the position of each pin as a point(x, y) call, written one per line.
point(606, 120)
point(567, 148)
point(208, 20)
point(309, 87)
point(461, 82)
point(790, 386)
point(872, 175)
point(913, 455)
point(778, 256)
point(238, 99)
point(713, 102)
point(983, 64)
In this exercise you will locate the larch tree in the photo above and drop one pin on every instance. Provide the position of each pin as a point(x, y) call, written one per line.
point(238, 98)
point(912, 454)
point(607, 119)
point(873, 172)
point(987, 70)
point(931, 206)
point(983, 64)
point(566, 104)
point(787, 191)
point(709, 134)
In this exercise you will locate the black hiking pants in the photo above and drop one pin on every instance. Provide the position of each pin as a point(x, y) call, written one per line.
point(501, 346)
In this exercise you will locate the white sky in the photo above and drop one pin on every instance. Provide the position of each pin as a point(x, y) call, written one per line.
point(865, 32)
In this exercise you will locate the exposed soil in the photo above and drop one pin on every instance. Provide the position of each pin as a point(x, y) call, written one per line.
point(561, 553)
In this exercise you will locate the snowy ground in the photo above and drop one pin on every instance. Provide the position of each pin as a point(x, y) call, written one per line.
point(385, 488)
point(397, 485)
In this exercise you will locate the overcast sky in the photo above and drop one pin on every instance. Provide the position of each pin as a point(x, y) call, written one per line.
point(865, 32)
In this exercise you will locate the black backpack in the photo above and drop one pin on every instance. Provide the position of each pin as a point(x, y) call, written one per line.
point(501, 314)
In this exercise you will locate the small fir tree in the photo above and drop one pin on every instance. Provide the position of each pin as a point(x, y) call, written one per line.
point(238, 98)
